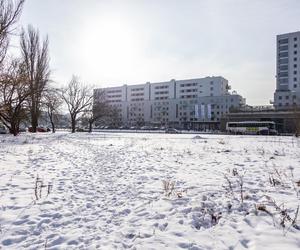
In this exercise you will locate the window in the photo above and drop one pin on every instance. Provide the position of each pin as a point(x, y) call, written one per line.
point(284, 74)
point(295, 45)
point(283, 80)
point(283, 54)
point(282, 48)
point(280, 97)
point(295, 59)
point(295, 65)
point(287, 97)
point(294, 97)
point(295, 72)
point(211, 88)
point(295, 79)
point(295, 85)
point(283, 41)
point(295, 39)
point(295, 52)
point(283, 67)
point(282, 61)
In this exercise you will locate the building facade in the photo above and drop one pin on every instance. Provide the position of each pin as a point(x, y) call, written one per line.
point(192, 104)
point(287, 94)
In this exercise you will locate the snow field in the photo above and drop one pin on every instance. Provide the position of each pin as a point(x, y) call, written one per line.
point(105, 191)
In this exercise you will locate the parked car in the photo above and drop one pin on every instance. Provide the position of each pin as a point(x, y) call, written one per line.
point(145, 128)
point(80, 130)
point(172, 131)
point(22, 129)
point(123, 127)
point(3, 129)
point(39, 129)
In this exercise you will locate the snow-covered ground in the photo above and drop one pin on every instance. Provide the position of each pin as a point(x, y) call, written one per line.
point(105, 191)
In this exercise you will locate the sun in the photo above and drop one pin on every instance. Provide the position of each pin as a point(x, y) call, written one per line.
point(108, 45)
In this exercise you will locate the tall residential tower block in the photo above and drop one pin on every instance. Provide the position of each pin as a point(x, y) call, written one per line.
point(287, 94)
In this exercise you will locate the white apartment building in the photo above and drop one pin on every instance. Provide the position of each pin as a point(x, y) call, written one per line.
point(193, 103)
point(287, 94)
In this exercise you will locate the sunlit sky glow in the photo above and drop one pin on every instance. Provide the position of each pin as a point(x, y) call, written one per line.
point(110, 43)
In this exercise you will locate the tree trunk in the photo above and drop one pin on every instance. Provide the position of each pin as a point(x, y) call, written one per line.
point(53, 127)
point(73, 124)
point(14, 129)
point(34, 121)
point(90, 126)
point(50, 114)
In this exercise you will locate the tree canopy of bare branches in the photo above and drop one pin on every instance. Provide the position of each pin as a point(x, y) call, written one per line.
point(36, 60)
point(52, 102)
point(13, 94)
point(78, 98)
point(98, 109)
point(10, 11)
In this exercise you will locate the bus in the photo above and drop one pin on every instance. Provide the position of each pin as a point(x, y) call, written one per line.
point(252, 128)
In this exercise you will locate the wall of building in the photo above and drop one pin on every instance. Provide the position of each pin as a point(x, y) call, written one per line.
point(178, 103)
point(287, 94)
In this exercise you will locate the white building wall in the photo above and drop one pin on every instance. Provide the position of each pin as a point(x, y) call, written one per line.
point(287, 93)
point(173, 101)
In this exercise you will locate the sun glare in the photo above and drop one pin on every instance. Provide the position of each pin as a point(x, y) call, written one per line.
point(108, 46)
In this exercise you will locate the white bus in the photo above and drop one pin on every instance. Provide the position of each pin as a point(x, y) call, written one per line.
point(252, 128)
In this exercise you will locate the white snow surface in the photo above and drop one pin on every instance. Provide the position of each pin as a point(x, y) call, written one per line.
point(105, 191)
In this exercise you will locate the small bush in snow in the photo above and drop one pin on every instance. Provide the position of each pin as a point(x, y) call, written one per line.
point(235, 184)
point(169, 189)
point(39, 186)
point(222, 142)
point(286, 218)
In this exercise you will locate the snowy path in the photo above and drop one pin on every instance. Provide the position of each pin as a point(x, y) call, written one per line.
point(106, 191)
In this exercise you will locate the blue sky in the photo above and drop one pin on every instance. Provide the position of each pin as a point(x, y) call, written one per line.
point(108, 43)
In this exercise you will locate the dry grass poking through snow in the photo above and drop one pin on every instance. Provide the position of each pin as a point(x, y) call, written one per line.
point(149, 191)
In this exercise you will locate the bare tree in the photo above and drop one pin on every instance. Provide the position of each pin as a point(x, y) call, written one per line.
point(98, 109)
point(78, 98)
point(10, 11)
point(36, 61)
point(52, 102)
point(13, 94)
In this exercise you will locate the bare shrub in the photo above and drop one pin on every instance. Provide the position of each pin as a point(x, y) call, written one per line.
point(286, 218)
point(235, 184)
point(295, 184)
point(261, 151)
point(39, 186)
point(222, 142)
point(169, 189)
point(273, 181)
